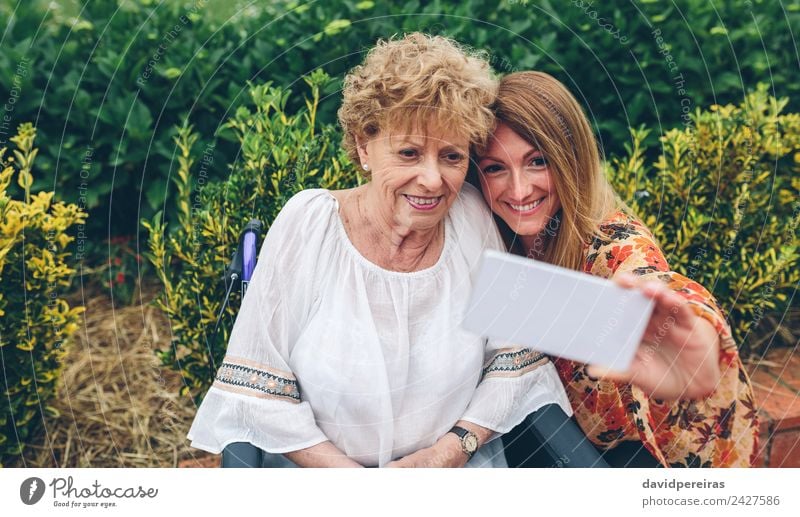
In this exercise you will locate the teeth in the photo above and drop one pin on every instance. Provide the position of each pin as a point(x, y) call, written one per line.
point(528, 207)
point(423, 200)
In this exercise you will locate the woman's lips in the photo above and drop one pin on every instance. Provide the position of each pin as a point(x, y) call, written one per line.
point(423, 203)
point(527, 208)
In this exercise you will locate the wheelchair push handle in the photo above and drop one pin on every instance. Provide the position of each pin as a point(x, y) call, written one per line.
point(243, 261)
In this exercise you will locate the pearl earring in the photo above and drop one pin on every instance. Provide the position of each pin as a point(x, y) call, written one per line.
point(365, 166)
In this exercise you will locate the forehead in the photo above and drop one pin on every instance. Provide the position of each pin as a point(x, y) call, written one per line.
point(504, 141)
point(428, 135)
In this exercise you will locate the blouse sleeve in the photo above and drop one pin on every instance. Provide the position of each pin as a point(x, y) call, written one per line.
point(719, 430)
point(255, 396)
point(515, 381)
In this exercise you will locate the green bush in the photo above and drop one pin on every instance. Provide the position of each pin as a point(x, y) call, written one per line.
point(281, 154)
point(115, 77)
point(722, 199)
point(106, 89)
point(35, 320)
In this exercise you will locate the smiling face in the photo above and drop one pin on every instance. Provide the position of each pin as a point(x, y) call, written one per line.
point(516, 183)
point(416, 174)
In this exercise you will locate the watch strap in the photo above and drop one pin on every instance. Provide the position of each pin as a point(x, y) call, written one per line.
point(459, 431)
point(462, 435)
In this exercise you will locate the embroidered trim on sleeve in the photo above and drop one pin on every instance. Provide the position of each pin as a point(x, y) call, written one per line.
point(513, 362)
point(245, 377)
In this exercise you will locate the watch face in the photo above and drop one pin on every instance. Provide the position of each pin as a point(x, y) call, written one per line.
point(471, 442)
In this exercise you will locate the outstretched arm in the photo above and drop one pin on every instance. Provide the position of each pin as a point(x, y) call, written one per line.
point(680, 350)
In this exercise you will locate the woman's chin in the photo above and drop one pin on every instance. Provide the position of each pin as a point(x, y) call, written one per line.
point(525, 228)
point(419, 221)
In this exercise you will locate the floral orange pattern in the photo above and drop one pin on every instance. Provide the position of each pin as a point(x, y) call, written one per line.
point(718, 431)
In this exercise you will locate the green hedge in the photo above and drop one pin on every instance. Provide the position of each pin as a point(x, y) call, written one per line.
point(106, 86)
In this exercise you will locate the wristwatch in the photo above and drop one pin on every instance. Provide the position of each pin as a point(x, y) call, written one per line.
point(469, 441)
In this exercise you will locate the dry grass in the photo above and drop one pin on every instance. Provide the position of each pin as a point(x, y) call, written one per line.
point(119, 407)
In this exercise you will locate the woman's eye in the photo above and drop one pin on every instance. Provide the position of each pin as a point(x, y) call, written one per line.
point(408, 153)
point(539, 162)
point(489, 169)
point(454, 157)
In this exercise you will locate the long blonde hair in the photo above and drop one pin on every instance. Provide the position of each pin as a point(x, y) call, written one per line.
point(541, 110)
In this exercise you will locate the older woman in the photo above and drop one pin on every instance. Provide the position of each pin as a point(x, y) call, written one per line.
point(686, 400)
point(348, 349)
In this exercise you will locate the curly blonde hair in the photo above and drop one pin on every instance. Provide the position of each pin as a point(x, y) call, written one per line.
point(419, 81)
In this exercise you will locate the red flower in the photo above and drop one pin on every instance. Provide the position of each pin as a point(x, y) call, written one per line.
point(617, 256)
point(120, 277)
point(653, 257)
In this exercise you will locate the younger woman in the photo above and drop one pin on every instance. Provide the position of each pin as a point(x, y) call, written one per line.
point(686, 399)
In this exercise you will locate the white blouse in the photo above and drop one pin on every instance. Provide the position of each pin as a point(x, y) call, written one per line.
point(329, 346)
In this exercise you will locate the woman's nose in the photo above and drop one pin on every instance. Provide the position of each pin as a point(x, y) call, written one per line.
point(430, 177)
point(520, 188)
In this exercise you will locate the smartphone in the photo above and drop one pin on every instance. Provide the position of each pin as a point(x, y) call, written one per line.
point(556, 311)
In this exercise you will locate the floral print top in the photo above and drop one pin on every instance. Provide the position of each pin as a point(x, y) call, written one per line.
point(718, 431)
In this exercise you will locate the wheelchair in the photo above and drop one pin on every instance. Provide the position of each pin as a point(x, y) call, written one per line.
point(546, 438)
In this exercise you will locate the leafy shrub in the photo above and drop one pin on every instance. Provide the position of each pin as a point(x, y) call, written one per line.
point(35, 321)
point(128, 72)
point(105, 88)
point(722, 198)
point(281, 154)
